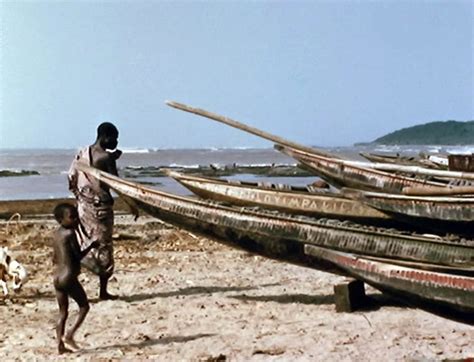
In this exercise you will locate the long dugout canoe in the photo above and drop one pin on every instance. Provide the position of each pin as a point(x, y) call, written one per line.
point(285, 232)
point(340, 174)
point(290, 199)
point(421, 285)
point(288, 239)
point(449, 213)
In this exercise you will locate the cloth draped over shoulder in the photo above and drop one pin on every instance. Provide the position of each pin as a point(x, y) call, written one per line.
point(96, 216)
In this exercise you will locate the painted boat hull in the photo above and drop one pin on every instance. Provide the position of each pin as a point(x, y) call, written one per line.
point(318, 203)
point(421, 285)
point(448, 213)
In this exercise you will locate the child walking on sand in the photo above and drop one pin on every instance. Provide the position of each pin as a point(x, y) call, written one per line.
point(67, 261)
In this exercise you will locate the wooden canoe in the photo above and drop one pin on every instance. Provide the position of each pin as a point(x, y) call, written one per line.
point(421, 285)
point(305, 200)
point(288, 238)
point(448, 213)
point(281, 229)
point(341, 174)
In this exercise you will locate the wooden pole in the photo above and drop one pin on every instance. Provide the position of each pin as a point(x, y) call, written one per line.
point(255, 131)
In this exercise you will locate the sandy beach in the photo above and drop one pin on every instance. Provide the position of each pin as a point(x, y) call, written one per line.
point(184, 297)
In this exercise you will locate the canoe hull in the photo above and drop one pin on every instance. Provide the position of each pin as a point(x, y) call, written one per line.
point(288, 239)
point(340, 174)
point(284, 198)
point(438, 213)
point(421, 285)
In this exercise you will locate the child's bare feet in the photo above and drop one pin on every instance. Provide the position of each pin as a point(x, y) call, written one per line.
point(69, 342)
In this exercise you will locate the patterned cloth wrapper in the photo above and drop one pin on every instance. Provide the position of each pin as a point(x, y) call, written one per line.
point(96, 216)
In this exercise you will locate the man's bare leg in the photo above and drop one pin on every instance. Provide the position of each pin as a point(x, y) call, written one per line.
point(63, 303)
point(104, 294)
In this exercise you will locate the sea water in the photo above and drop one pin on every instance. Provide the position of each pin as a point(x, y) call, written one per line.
point(53, 164)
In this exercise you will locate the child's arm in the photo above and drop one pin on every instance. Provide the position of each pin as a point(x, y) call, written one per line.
point(76, 249)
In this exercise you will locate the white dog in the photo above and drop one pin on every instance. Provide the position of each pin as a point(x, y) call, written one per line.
point(11, 268)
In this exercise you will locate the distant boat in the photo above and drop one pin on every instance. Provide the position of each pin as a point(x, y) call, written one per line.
point(441, 161)
point(431, 269)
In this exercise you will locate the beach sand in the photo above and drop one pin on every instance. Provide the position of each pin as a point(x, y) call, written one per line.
point(184, 297)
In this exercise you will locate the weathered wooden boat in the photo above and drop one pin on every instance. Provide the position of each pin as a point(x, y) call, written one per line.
point(344, 236)
point(340, 172)
point(304, 200)
point(446, 213)
point(422, 285)
point(285, 238)
point(440, 160)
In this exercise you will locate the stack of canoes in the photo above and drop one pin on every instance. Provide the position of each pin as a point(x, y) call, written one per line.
point(337, 231)
point(421, 268)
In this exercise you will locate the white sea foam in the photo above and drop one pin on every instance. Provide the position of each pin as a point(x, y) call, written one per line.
point(176, 165)
point(135, 150)
point(461, 150)
point(386, 148)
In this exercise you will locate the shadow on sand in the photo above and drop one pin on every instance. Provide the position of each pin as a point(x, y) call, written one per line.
point(372, 302)
point(190, 291)
point(144, 296)
point(288, 298)
point(29, 297)
point(148, 342)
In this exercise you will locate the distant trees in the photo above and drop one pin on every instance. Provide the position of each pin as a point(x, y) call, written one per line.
point(433, 133)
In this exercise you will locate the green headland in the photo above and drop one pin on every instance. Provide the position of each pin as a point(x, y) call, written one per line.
point(432, 133)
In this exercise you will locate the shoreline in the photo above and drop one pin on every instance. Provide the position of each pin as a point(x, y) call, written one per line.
point(43, 207)
point(211, 170)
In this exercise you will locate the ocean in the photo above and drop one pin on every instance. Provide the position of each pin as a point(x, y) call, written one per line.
point(53, 164)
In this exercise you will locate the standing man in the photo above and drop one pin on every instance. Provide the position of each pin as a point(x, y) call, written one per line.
point(95, 204)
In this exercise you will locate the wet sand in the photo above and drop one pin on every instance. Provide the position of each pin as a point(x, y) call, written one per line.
point(183, 297)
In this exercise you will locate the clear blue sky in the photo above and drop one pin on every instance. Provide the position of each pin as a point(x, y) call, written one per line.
point(326, 73)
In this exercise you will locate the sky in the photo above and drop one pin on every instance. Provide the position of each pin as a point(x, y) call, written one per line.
point(325, 73)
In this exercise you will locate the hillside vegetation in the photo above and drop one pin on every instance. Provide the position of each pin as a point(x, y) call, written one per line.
point(433, 133)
